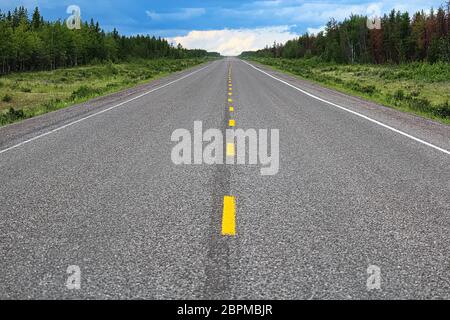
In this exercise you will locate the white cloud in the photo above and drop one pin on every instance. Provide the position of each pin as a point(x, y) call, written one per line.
point(316, 31)
point(231, 42)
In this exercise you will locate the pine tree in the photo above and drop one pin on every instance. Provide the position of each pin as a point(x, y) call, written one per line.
point(36, 19)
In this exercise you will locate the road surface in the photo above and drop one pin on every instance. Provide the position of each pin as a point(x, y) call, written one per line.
point(94, 186)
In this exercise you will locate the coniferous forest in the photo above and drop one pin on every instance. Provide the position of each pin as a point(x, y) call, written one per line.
point(405, 64)
point(30, 43)
point(403, 38)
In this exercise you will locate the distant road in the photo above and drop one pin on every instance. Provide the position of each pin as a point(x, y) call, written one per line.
point(94, 186)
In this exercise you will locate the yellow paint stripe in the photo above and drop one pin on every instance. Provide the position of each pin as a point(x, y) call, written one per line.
point(229, 216)
point(230, 150)
point(232, 123)
point(230, 100)
point(231, 109)
point(230, 93)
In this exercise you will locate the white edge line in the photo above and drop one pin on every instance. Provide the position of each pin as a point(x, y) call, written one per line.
point(100, 112)
point(352, 112)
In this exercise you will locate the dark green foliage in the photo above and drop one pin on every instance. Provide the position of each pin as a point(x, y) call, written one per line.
point(399, 95)
point(402, 39)
point(25, 89)
point(365, 80)
point(35, 44)
point(7, 98)
point(84, 92)
point(443, 110)
point(11, 116)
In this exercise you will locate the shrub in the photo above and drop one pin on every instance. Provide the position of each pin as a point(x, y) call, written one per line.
point(443, 110)
point(51, 105)
point(111, 69)
point(399, 95)
point(25, 89)
point(369, 89)
point(11, 116)
point(84, 92)
point(415, 94)
point(7, 98)
point(420, 104)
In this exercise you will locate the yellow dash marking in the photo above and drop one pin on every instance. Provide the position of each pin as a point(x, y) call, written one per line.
point(230, 150)
point(231, 109)
point(232, 123)
point(230, 93)
point(230, 100)
point(229, 216)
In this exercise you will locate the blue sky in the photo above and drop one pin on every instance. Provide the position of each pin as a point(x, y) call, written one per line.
point(227, 26)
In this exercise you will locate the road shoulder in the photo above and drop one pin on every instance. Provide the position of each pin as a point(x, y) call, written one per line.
point(16, 133)
point(425, 129)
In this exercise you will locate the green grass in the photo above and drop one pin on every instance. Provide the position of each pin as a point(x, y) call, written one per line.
point(419, 88)
point(25, 95)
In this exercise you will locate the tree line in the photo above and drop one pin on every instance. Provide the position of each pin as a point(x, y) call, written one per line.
point(32, 43)
point(401, 39)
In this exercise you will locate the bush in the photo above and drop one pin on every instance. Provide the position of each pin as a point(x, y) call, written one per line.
point(443, 110)
point(7, 98)
point(52, 105)
point(414, 94)
point(11, 116)
point(84, 92)
point(420, 104)
point(369, 89)
point(111, 69)
point(25, 89)
point(399, 95)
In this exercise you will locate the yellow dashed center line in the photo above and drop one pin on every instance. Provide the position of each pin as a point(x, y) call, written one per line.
point(229, 216)
point(229, 202)
point(230, 150)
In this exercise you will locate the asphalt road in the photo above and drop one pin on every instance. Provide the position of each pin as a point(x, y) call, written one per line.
point(94, 186)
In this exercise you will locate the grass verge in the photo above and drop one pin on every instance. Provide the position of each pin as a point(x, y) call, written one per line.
point(26, 95)
point(419, 88)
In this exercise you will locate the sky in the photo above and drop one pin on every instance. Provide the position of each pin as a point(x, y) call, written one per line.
point(228, 27)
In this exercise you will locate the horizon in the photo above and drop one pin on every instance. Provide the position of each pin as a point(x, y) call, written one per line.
point(228, 28)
